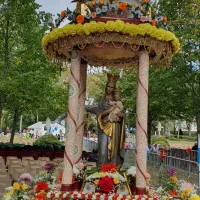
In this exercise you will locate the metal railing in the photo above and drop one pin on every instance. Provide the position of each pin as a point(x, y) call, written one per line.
point(186, 169)
point(89, 145)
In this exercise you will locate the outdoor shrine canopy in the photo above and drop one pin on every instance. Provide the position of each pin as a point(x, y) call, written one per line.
point(111, 33)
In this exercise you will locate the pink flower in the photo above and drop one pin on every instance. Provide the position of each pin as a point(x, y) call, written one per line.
point(80, 165)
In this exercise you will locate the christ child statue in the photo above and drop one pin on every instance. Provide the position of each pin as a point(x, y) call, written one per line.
point(118, 107)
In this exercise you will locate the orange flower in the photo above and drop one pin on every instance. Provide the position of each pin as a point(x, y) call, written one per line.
point(164, 19)
point(145, 1)
point(153, 22)
point(111, 167)
point(122, 6)
point(62, 14)
point(80, 19)
point(101, 2)
point(133, 5)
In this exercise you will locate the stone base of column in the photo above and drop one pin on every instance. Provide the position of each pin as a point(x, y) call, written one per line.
point(141, 191)
point(66, 187)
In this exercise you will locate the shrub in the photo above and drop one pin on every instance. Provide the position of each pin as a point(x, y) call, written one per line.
point(47, 140)
point(162, 141)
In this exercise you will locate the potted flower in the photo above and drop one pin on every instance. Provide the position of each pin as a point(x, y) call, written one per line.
point(79, 173)
point(107, 180)
point(131, 177)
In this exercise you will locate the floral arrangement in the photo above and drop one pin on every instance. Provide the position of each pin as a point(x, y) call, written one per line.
point(107, 180)
point(111, 26)
point(79, 172)
point(112, 8)
point(17, 191)
point(174, 189)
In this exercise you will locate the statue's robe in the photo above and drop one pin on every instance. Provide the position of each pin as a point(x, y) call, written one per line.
point(110, 136)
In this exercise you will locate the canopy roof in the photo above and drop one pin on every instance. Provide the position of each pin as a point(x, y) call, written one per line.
point(111, 33)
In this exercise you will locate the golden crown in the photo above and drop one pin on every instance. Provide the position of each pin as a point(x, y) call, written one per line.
point(112, 78)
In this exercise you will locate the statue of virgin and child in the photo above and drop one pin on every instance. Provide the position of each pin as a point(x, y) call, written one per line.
point(111, 126)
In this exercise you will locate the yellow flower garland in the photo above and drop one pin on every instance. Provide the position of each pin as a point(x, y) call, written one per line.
point(112, 26)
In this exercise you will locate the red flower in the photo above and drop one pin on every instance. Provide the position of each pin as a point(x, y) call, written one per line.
point(163, 155)
point(188, 150)
point(40, 196)
point(111, 167)
point(52, 195)
point(173, 193)
point(106, 184)
point(41, 186)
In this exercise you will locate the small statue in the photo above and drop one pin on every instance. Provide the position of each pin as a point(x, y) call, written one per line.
point(118, 107)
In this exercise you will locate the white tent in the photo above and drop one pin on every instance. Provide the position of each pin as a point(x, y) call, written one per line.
point(38, 128)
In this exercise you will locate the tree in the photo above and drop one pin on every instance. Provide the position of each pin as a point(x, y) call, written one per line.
point(28, 78)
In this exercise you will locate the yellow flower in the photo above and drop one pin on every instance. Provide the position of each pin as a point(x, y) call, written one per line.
point(165, 197)
point(116, 180)
point(42, 192)
point(173, 179)
point(188, 190)
point(79, 29)
point(195, 197)
point(96, 181)
point(110, 25)
point(182, 195)
point(43, 173)
point(16, 186)
point(103, 175)
point(101, 27)
point(24, 186)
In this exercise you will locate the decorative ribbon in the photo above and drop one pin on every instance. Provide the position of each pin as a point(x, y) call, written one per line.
point(70, 162)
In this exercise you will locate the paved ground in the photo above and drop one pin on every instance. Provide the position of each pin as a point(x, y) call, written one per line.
point(181, 144)
point(18, 139)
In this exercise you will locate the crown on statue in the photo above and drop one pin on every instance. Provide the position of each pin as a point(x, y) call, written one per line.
point(112, 78)
point(117, 91)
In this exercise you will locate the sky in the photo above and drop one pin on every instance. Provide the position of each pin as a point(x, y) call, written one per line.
point(55, 6)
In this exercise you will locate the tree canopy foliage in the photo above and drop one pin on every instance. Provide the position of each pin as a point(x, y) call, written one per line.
point(29, 82)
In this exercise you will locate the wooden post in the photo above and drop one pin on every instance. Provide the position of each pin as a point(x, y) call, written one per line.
point(71, 124)
point(141, 121)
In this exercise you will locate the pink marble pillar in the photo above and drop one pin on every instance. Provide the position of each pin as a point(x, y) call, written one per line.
point(141, 121)
point(80, 124)
point(71, 123)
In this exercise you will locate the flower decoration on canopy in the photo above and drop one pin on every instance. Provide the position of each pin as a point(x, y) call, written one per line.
point(88, 10)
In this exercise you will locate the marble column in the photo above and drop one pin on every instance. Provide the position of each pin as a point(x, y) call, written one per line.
point(81, 119)
point(71, 123)
point(141, 121)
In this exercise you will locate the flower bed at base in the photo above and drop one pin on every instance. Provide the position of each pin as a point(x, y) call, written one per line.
point(46, 186)
point(97, 196)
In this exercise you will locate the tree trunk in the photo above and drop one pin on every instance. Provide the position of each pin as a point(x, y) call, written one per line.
point(198, 123)
point(1, 115)
point(14, 126)
point(149, 127)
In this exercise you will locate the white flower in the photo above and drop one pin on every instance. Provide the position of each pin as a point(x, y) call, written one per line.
point(98, 11)
point(9, 188)
point(131, 171)
point(104, 8)
point(76, 170)
point(160, 189)
point(113, 6)
point(133, 10)
point(25, 197)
